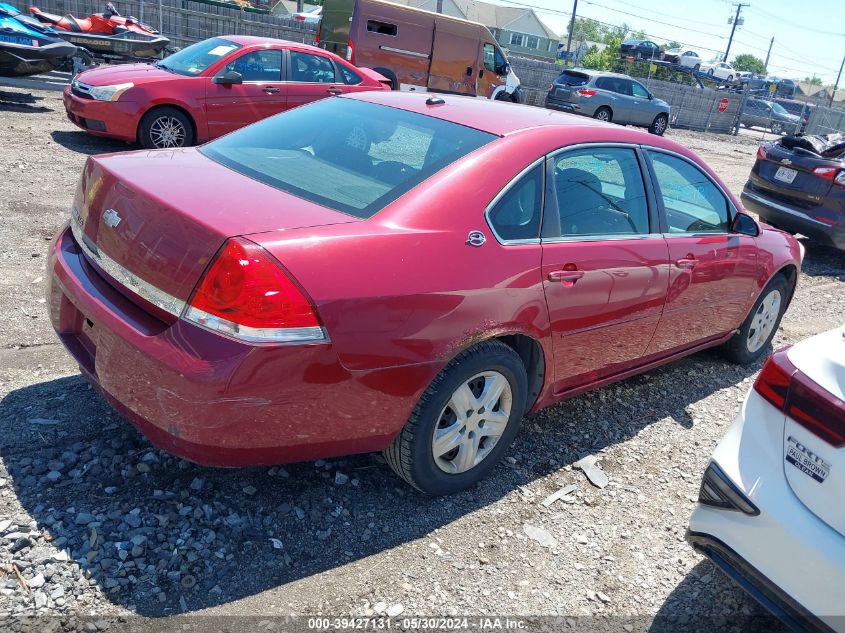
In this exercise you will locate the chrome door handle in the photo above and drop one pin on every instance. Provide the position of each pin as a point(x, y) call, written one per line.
point(566, 275)
point(270, 90)
point(685, 263)
point(334, 91)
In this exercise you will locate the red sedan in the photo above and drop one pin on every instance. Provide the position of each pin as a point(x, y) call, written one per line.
point(208, 90)
point(400, 272)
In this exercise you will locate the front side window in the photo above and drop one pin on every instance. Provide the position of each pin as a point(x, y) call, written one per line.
point(351, 156)
point(259, 66)
point(692, 202)
point(494, 61)
point(311, 69)
point(638, 90)
point(194, 59)
point(516, 216)
point(598, 191)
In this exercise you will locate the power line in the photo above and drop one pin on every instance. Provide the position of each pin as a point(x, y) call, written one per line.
point(795, 25)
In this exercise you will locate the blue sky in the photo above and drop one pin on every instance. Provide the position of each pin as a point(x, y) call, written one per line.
point(809, 34)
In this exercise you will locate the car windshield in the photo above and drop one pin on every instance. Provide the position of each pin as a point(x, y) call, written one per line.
point(351, 156)
point(779, 109)
point(198, 57)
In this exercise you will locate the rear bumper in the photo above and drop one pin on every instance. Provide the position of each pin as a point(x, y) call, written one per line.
point(563, 106)
point(213, 400)
point(112, 119)
point(793, 219)
point(785, 557)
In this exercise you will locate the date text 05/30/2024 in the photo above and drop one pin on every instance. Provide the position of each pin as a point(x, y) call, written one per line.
point(415, 623)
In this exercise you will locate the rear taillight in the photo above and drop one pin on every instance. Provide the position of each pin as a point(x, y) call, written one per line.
point(350, 52)
point(317, 37)
point(247, 295)
point(584, 92)
point(801, 399)
point(762, 153)
point(299, 18)
point(834, 174)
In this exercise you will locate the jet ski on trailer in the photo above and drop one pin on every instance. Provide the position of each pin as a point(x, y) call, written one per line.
point(28, 47)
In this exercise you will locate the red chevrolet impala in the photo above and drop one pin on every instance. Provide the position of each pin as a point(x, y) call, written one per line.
point(209, 89)
point(400, 272)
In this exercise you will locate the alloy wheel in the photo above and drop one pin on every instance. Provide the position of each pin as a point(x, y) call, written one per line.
point(167, 131)
point(660, 125)
point(472, 422)
point(764, 321)
point(601, 115)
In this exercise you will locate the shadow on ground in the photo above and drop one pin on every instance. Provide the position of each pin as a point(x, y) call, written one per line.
point(707, 600)
point(21, 102)
point(161, 535)
point(85, 143)
point(822, 261)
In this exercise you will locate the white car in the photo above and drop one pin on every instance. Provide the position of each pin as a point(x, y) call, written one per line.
point(683, 56)
point(311, 16)
point(721, 70)
point(771, 512)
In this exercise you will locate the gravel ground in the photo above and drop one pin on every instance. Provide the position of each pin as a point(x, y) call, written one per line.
point(96, 522)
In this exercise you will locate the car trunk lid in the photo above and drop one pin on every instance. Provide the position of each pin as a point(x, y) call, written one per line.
point(788, 175)
point(147, 223)
point(815, 468)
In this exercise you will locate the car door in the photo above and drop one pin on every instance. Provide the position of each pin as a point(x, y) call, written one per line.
point(311, 76)
point(616, 95)
point(712, 270)
point(232, 106)
point(643, 109)
point(605, 264)
point(651, 50)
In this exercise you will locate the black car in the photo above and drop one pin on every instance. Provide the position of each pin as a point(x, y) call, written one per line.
point(798, 184)
point(639, 49)
point(798, 108)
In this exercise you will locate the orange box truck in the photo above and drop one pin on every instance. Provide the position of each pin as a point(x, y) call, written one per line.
point(418, 50)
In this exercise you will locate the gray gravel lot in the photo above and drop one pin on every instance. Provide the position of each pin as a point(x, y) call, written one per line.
point(94, 521)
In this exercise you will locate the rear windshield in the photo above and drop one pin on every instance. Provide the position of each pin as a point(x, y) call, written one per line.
point(571, 78)
point(196, 58)
point(348, 155)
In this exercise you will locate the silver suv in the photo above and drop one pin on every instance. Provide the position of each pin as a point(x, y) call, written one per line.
point(608, 97)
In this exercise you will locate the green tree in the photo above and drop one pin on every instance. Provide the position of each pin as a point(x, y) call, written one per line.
point(603, 60)
point(814, 81)
point(670, 45)
point(749, 63)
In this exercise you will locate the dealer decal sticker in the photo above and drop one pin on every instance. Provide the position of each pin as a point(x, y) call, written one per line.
point(806, 461)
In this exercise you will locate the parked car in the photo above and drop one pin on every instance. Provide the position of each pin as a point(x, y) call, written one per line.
point(720, 70)
point(639, 49)
point(419, 50)
point(798, 184)
point(683, 56)
point(254, 300)
point(769, 115)
point(743, 76)
point(309, 17)
point(608, 97)
point(770, 502)
point(208, 89)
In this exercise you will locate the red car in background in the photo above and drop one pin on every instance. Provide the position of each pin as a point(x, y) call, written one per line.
point(209, 89)
point(401, 272)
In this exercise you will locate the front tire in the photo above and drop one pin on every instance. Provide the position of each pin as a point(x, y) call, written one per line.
point(755, 334)
point(730, 78)
point(165, 127)
point(464, 422)
point(603, 114)
point(659, 125)
point(697, 67)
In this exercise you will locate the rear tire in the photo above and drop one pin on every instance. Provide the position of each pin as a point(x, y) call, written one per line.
point(468, 445)
point(755, 335)
point(603, 114)
point(697, 67)
point(730, 78)
point(659, 125)
point(165, 127)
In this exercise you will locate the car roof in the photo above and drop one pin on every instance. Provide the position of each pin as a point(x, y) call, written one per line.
point(253, 40)
point(495, 117)
point(600, 73)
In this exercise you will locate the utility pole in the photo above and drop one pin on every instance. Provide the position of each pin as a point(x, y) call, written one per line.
point(739, 6)
point(766, 63)
point(440, 6)
point(571, 26)
point(836, 85)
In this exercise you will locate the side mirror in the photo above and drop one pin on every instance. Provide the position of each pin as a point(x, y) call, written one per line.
point(650, 97)
point(745, 225)
point(504, 70)
point(229, 78)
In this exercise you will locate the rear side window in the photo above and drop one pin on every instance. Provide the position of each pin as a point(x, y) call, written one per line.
point(571, 78)
point(382, 28)
point(349, 77)
point(599, 191)
point(308, 68)
point(351, 156)
point(692, 203)
point(614, 84)
point(516, 215)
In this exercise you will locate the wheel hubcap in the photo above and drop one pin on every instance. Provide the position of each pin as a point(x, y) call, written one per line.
point(763, 322)
point(472, 422)
point(167, 131)
point(602, 116)
point(660, 125)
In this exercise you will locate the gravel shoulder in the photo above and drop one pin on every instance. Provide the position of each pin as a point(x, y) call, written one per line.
point(97, 522)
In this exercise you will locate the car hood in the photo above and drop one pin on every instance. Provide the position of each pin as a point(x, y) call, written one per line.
point(136, 73)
